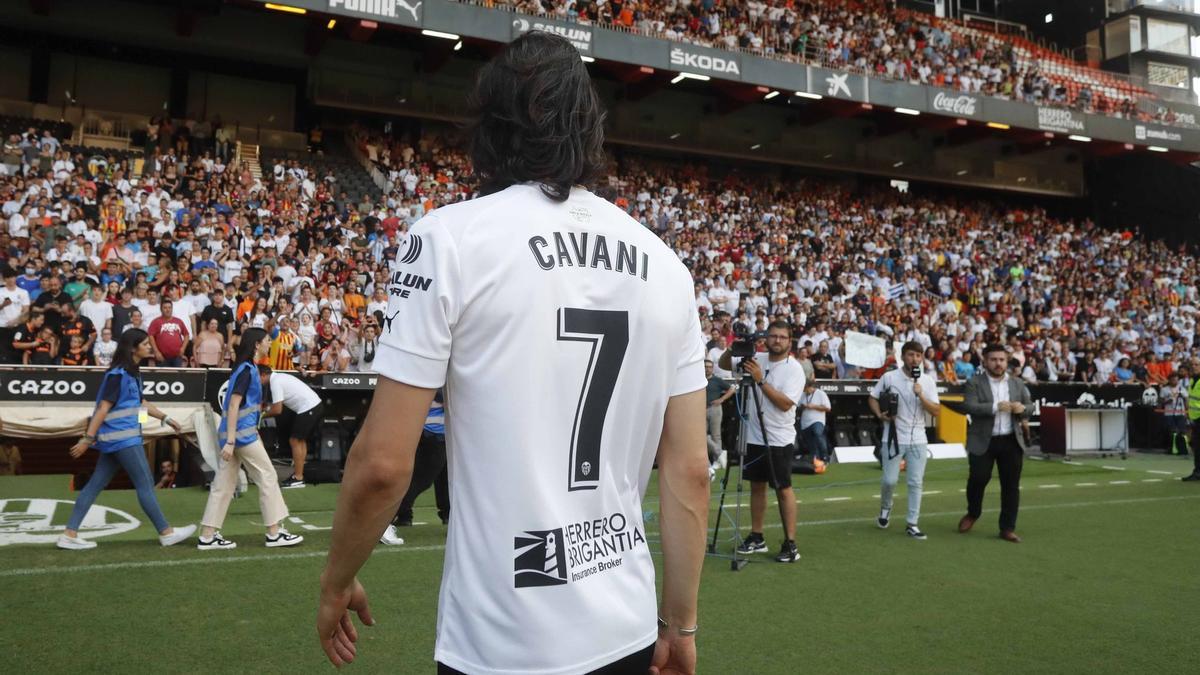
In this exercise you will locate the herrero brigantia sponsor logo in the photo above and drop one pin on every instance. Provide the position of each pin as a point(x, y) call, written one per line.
point(574, 552)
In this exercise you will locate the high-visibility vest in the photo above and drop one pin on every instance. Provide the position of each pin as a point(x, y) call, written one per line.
point(248, 413)
point(121, 427)
point(1193, 410)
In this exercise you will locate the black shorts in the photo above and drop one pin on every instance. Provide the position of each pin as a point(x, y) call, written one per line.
point(636, 663)
point(306, 422)
point(761, 464)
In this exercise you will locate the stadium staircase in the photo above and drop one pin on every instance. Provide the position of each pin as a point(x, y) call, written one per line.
point(248, 153)
point(336, 159)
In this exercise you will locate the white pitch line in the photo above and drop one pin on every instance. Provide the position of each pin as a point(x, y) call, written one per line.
point(1161, 473)
point(932, 492)
point(837, 499)
point(1085, 485)
point(1151, 480)
point(1050, 485)
point(958, 514)
point(1073, 463)
point(1118, 482)
point(215, 559)
point(1112, 468)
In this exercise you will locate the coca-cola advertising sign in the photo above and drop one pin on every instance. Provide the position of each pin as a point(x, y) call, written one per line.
point(962, 105)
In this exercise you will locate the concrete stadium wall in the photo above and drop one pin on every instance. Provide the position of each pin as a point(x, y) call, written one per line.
point(14, 76)
point(108, 85)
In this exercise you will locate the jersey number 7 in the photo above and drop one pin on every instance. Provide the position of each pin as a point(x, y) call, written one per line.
point(607, 332)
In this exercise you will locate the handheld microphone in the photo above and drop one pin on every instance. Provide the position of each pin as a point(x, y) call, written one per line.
point(914, 372)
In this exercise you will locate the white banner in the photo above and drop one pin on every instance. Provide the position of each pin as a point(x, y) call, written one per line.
point(865, 351)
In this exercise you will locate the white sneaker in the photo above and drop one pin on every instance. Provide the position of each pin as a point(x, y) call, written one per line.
point(177, 536)
point(723, 460)
point(283, 538)
point(74, 543)
point(885, 517)
point(390, 538)
point(712, 472)
point(217, 543)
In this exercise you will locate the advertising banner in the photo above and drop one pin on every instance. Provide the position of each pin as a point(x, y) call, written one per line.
point(954, 103)
point(836, 84)
point(704, 61)
point(37, 385)
point(579, 35)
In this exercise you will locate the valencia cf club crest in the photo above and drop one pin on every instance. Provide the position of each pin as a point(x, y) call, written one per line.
point(541, 559)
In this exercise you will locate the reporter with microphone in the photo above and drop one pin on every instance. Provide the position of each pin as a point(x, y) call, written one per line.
point(907, 395)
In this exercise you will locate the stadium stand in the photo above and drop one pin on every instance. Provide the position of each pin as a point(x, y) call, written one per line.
point(303, 250)
point(873, 37)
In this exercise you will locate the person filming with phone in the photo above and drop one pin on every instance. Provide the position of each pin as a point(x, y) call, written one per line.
point(901, 399)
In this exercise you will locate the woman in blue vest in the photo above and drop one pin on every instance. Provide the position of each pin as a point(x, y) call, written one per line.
point(240, 445)
point(116, 431)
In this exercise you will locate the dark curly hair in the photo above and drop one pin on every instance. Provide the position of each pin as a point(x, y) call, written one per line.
point(536, 117)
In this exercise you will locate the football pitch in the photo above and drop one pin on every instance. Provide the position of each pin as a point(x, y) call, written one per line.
point(1105, 581)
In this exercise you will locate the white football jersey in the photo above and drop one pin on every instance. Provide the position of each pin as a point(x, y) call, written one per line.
point(560, 331)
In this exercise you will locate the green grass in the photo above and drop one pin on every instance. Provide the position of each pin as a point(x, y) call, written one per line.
point(1105, 582)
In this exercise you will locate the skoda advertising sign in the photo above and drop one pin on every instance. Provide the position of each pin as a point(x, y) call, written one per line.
point(703, 61)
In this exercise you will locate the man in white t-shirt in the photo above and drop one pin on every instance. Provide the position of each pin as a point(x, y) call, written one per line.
point(904, 434)
point(814, 406)
point(780, 382)
point(14, 305)
point(566, 336)
point(97, 309)
point(304, 410)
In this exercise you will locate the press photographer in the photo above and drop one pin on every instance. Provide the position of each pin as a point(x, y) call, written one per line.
point(778, 379)
point(901, 399)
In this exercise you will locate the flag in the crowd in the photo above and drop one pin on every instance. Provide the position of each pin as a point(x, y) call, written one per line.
point(896, 291)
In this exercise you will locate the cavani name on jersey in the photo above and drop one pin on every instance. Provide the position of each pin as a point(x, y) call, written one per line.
point(588, 249)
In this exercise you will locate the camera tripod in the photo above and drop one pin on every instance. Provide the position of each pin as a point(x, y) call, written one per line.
point(746, 387)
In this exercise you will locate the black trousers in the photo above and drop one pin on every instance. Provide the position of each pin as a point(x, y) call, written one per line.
point(1196, 448)
point(1007, 456)
point(637, 663)
point(429, 468)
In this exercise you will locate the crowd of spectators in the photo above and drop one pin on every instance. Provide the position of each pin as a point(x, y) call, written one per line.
point(194, 253)
point(869, 36)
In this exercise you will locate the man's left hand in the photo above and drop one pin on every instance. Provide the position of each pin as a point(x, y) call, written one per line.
point(335, 628)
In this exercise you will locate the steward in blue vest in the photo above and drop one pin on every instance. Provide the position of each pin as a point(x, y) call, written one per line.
point(115, 429)
point(241, 447)
point(248, 413)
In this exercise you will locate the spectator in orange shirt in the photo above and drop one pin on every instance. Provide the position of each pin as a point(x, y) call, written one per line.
point(1158, 370)
point(353, 302)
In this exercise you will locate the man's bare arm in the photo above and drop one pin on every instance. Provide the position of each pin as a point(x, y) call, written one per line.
point(684, 491)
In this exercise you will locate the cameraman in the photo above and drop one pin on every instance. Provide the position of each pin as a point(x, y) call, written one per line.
point(909, 395)
point(780, 380)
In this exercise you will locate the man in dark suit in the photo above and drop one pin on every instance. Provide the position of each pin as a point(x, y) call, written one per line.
point(999, 405)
